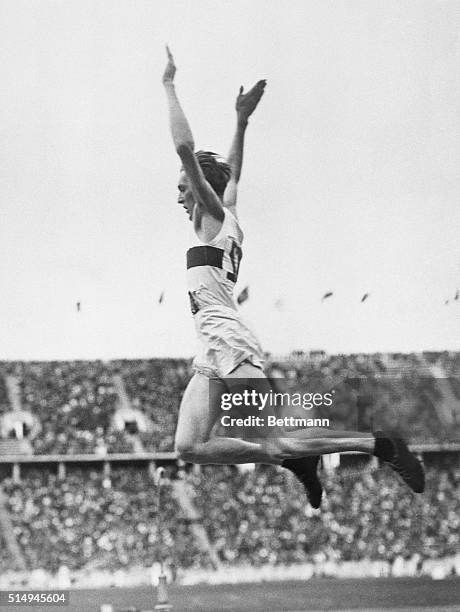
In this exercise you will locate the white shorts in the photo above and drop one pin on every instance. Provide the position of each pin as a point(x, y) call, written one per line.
point(224, 342)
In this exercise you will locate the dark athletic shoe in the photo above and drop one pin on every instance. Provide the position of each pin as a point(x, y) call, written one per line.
point(394, 451)
point(306, 470)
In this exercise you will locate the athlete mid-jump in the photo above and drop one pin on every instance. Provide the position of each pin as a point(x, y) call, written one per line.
point(229, 351)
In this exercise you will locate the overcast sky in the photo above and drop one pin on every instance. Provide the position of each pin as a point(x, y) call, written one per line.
point(350, 183)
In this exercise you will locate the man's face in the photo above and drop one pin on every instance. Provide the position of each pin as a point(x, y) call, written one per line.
point(185, 197)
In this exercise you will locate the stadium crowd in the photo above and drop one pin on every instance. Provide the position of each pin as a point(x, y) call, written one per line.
point(75, 402)
point(370, 516)
point(257, 517)
point(155, 387)
point(88, 520)
point(374, 392)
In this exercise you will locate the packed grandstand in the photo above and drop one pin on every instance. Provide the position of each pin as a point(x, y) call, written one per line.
point(94, 518)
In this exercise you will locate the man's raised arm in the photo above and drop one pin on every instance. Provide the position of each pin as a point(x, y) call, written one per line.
point(204, 194)
point(245, 105)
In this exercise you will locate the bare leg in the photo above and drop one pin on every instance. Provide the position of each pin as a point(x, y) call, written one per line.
point(301, 442)
point(200, 409)
point(304, 447)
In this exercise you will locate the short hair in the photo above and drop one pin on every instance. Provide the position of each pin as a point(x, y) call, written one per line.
point(215, 169)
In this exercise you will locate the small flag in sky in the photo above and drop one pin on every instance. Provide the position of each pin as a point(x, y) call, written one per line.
point(78, 306)
point(327, 295)
point(243, 296)
point(278, 304)
point(365, 296)
point(446, 302)
point(161, 298)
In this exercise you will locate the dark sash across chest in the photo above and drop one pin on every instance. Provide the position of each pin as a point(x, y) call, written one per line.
point(207, 256)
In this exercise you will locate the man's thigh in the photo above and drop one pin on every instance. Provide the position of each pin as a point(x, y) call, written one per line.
point(247, 375)
point(251, 378)
point(199, 409)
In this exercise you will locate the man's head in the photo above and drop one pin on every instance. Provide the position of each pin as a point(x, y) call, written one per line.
point(216, 171)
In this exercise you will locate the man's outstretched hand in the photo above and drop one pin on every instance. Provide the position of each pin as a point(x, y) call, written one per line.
point(246, 103)
point(170, 70)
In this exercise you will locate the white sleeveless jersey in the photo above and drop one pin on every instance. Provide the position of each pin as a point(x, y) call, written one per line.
point(212, 270)
point(212, 267)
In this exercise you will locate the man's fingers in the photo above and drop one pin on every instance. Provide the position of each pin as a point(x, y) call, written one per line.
point(255, 94)
point(258, 88)
point(169, 54)
point(260, 85)
point(247, 102)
